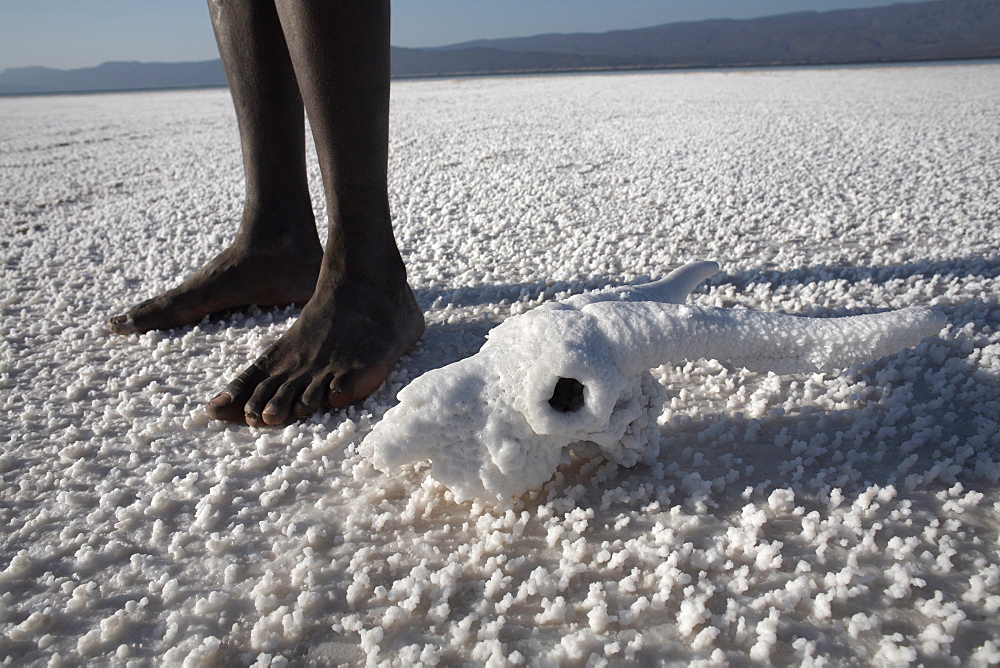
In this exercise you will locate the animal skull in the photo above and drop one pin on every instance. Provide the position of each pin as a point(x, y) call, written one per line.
point(577, 372)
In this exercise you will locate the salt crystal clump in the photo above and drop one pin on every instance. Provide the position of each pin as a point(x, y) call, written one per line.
point(576, 375)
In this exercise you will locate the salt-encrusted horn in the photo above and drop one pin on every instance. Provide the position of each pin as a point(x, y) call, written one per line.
point(673, 333)
point(674, 288)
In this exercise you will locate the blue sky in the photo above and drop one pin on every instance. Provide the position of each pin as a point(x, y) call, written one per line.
point(82, 33)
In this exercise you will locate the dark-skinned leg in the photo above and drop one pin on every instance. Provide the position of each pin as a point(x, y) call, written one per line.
point(275, 258)
point(362, 316)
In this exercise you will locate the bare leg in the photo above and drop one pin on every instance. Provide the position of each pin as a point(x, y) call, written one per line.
point(275, 258)
point(362, 316)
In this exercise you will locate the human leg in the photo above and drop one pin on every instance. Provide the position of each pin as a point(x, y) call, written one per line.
point(275, 258)
point(362, 316)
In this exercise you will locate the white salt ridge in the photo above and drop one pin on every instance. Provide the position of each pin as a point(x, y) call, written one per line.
point(498, 424)
point(816, 519)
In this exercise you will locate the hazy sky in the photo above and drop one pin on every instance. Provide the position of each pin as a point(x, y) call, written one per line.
point(82, 33)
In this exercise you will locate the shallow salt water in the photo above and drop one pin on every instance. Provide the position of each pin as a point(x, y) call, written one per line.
point(851, 517)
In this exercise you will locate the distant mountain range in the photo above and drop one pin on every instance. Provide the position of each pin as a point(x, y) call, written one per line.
point(112, 76)
point(937, 30)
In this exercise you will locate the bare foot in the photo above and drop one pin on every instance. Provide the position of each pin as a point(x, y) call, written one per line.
point(233, 279)
point(338, 351)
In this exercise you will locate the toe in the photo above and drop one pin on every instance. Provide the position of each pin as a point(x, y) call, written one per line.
point(279, 407)
point(314, 397)
point(122, 324)
point(260, 398)
point(159, 313)
point(229, 404)
point(168, 311)
point(156, 313)
point(357, 384)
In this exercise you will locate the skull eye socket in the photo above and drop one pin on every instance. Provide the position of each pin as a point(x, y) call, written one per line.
point(567, 397)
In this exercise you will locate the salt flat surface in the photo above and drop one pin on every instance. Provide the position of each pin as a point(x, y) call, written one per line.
point(848, 517)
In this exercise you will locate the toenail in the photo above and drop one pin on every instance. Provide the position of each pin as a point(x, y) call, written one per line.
point(122, 324)
point(252, 415)
point(222, 399)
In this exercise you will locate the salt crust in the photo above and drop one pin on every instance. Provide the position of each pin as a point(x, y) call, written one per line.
point(814, 519)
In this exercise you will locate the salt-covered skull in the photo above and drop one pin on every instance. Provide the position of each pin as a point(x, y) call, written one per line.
point(577, 373)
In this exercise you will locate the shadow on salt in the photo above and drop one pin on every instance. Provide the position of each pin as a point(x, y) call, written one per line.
point(973, 265)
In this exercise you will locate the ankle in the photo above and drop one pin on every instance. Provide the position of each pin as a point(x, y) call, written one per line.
point(279, 233)
point(299, 248)
point(365, 260)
